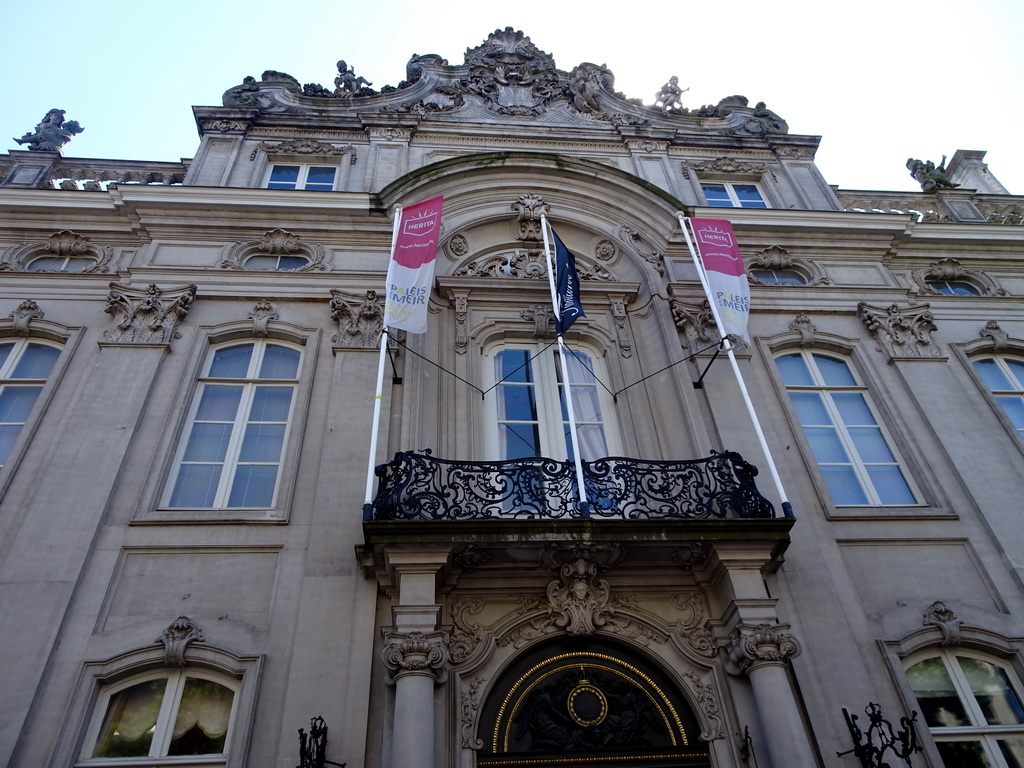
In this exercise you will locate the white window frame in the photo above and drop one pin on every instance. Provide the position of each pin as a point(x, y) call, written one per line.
point(19, 346)
point(1017, 390)
point(987, 735)
point(231, 460)
point(165, 720)
point(551, 427)
point(304, 169)
point(858, 465)
point(88, 261)
point(731, 192)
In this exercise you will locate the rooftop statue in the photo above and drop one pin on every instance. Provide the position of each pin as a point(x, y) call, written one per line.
point(346, 83)
point(669, 95)
point(52, 133)
point(931, 177)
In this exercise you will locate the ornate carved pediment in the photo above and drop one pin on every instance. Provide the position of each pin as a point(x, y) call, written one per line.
point(146, 316)
point(951, 270)
point(727, 165)
point(901, 332)
point(511, 75)
point(176, 639)
point(359, 318)
point(277, 251)
point(777, 257)
point(305, 147)
point(63, 251)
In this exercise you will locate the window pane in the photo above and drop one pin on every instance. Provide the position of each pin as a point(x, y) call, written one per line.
point(8, 434)
point(262, 442)
point(939, 702)
point(778, 276)
point(513, 365)
point(219, 403)
point(835, 373)
point(279, 363)
point(1014, 408)
point(5, 352)
point(586, 404)
point(253, 486)
point(843, 486)
point(320, 178)
point(717, 195)
point(853, 409)
point(16, 403)
point(592, 443)
point(271, 404)
point(519, 441)
point(748, 196)
point(291, 262)
point(962, 754)
point(810, 410)
point(871, 446)
point(990, 373)
point(36, 362)
point(231, 362)
point(954, 287)
point(131, 717)
point(1013, 752)
point(991, 687)
point(579, 366)
point(794, 370)
point(826, 445)
point(207, 442)
point(201, 726)
point(46, 264)
point(196, 486)
point(890, 485)
point(1017, 369)
point(516, 403)
point(284, 177)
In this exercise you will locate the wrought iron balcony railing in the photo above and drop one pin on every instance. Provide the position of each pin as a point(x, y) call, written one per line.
point(418, 486)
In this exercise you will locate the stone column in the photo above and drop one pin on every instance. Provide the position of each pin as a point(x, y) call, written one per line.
point(415, 662)
point(762, 653)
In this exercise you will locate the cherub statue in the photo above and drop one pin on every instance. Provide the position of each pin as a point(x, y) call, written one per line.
point(669, 95)
point(930, 177)
point(346, 83)
point(52, 133)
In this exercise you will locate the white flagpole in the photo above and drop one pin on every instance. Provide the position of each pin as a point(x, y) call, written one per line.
point(375, 429)
point(566, 387)
point(787, 508)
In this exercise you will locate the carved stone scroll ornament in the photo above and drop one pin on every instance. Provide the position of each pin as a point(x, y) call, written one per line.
point(642, 248)
point(692, 556)
point(940, 616)
point(802, 324)
point(24, 314)
point(755, 646)
point(622, 335)
point(526, 264)
point(691, 627)
point(777, 257)
point(415, 653)
point(1000, 340)
point(60, 245)
point(697, 325)
point(460, 303)
point(542, 317)
point(511, 75)
point(470, 709)
point(275, 242)
point(261, 315)
point(146, 316)
point(901, 332)
point(466, 636)
point(579, 600)
point(360, 319)
point(457, 247)
point(530, 208)
point(706, 699)
point(727, 165)
point(305, 147)
point(951, 270)
point(176, 638)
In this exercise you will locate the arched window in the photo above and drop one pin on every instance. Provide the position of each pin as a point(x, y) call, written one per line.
point(61, 264)
point(231, 454)
point(528, 416)
point(1004, 376)
point(954, 287)
point(972, 706)
point(24, 367)
point(853, 453)
point(169, 714)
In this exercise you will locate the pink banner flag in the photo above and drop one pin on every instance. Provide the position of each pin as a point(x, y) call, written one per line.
point(411, 272)
point(727, 278)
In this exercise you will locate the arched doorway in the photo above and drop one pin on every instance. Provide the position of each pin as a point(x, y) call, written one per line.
point(578, 701)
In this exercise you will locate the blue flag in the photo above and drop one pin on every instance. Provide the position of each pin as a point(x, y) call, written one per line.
point(567, 286)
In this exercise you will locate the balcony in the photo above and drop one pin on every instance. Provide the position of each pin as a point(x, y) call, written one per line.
point(421, 487)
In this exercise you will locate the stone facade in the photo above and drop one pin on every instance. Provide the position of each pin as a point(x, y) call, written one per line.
point(182, 488)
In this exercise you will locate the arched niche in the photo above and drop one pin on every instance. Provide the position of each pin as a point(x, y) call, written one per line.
point(578, 700)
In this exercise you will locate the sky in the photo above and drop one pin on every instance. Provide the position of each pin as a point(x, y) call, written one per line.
point(880, 82)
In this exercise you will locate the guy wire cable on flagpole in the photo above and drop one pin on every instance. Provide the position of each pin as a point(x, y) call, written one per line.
point(787, 507)
point(670, 365)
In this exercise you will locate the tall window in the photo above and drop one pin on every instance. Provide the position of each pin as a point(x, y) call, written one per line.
point(1004, 376)
point(302, 177)
point(169, 715)
point(231, 455)
point(24, 368)
point(849, 445)
point(972, 707)
point(532, 419)
point(730, 195)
